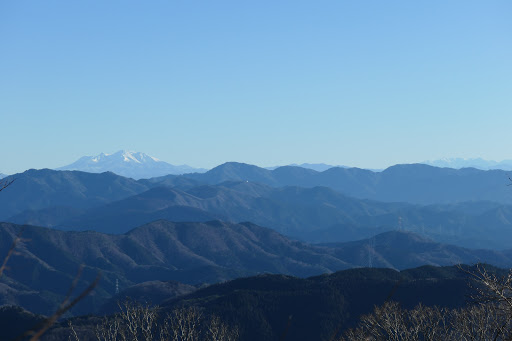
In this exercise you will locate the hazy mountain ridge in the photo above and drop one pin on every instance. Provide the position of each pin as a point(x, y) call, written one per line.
point(45, 188)
point(114, 204)
point(408, 250)
point(413, 183)
point(478, 163)
point(319, 167)
point(312, 214)
point(418, 184)
point(134, 165)
point(301, 212)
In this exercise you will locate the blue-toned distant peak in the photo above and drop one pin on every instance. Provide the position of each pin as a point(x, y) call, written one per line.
point(131, 164)
point(478, 163)
point(2, 175)
point(319, 167)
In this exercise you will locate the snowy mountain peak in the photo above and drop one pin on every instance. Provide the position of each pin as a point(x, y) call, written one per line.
point(132, 164)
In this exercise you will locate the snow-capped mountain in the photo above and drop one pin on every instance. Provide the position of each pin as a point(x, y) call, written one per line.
point(2, 175)
point(478, 163)
point(130, 164)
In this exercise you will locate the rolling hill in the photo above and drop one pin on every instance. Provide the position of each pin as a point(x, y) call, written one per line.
point(47, 260)
point(193, 253)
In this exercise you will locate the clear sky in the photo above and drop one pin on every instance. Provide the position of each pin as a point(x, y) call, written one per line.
point(358, 83)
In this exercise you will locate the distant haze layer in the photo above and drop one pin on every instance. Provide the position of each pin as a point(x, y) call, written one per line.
point(139, 165)
point(478, 163)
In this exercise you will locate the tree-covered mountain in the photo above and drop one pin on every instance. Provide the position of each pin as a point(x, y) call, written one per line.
point(290, 210)
point(47, 260)
point(150, 292)
point(277, 307)
point(45, 188)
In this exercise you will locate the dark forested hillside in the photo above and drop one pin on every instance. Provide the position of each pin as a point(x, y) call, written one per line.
point(317, 308)
point(47, 260)
point(277, 307)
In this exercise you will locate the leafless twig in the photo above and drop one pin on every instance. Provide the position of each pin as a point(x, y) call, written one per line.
point(66, 305)
point(75, 335)
point(5, 184)
point(16, 240)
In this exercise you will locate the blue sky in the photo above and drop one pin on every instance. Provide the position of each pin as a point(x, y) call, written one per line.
point(360, 83)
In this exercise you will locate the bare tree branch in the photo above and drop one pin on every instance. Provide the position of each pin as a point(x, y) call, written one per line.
point(5, 184)
point(65, 305)
point(75, 335)
point(15, 241)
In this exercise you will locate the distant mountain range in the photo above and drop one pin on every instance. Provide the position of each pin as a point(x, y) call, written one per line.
point(316, 214)
point(138, 165)
point(466, 207)
point(2, 175)
point(129, 164)
point(455, 163)
point(413, 183)
point(478, 163)
point(193, 253)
